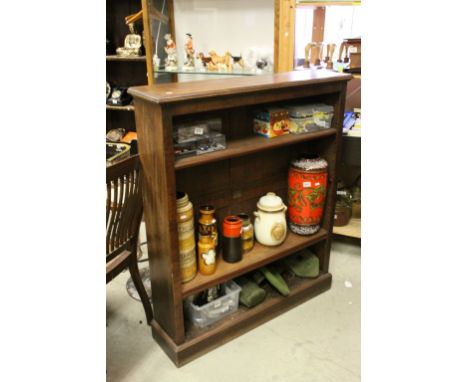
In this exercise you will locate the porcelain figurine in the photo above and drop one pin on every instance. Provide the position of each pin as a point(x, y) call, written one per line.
point(270, 220)
point(204, 59)
point(220, 63)
point(238, 60)
point(132, 44)
point(170, 48)
point(307, 189)
point(189, 63)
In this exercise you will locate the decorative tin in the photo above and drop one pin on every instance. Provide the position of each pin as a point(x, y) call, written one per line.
point(310, 117)
point(307, 188)
point(271, 122)
point(301, 119)
point(188, 257)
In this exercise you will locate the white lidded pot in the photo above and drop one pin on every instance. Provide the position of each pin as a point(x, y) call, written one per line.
point(270, 220)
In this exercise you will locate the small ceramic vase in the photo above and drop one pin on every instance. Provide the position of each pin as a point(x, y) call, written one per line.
point(207, 223)
point(247, 233)
point(206, 255)
point(307, 190)
point(270, 220)
point(187, 252)
point(232, 240)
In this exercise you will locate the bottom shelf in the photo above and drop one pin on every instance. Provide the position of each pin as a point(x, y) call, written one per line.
point(199, 341)
point(352, 229)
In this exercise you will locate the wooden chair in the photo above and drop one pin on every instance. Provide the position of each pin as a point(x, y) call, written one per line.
point(124, 210)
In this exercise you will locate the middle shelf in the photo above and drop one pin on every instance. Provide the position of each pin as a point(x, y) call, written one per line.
point(250, 145)
point(260, 255)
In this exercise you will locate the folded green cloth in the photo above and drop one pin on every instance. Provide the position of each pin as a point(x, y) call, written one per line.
point(303, 264)
point(251, 294)
point(274, 278)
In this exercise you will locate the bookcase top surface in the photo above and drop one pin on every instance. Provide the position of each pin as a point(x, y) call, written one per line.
point(181, 91)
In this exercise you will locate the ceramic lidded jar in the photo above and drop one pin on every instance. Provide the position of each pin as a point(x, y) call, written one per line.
point(270, 220)
point(307, 190)
point(247, 232)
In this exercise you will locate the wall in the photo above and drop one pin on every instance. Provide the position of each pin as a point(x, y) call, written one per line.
point(223, 25)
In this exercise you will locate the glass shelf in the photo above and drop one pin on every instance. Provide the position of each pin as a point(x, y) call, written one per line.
point(123, 58)
point(213, 73)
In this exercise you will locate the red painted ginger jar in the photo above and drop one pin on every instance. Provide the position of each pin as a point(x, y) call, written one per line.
point(307, 190)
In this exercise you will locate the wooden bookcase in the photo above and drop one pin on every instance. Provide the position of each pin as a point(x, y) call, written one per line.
point(232, 180)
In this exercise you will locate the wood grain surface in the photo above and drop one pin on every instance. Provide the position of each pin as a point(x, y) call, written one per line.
point(183, 91)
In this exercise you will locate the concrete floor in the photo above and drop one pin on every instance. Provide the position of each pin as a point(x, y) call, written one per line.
point(316, 341)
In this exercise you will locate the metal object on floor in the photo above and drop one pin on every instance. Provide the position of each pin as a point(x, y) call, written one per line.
point(145, 277)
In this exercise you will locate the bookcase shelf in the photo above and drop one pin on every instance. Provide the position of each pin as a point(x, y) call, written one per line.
point(259, 256)
point(249, 145)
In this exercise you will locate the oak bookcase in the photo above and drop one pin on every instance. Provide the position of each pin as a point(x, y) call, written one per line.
point(232, 180)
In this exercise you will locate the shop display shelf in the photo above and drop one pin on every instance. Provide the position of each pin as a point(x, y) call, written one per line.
point(249, 145)
point(121, 108)
point(211, 73)
point(260, 255)
point(352, 229)
point(119, 58)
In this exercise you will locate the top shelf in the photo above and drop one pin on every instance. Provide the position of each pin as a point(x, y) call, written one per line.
point(240, 85)
point(250, 145)
point(119, 58)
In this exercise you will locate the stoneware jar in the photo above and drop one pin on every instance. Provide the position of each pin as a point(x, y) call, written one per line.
point(307, 190)
point(187, 248)
point(247, 233)
point(270, 220)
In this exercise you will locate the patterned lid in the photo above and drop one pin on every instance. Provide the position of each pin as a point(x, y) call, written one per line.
point(309, 163)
